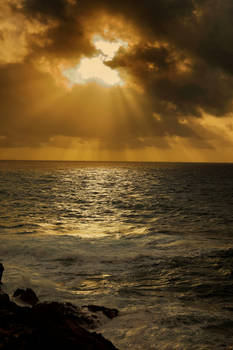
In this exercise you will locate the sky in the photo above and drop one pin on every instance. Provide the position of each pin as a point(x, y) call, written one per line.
point(117, 80)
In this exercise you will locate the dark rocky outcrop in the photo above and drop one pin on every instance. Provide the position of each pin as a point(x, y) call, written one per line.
point(1, 272)
point(27, 296)
point(4, 301)
point(48, 325)
point(110, 313)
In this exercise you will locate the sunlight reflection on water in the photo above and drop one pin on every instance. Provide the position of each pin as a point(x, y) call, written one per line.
point(153, 240)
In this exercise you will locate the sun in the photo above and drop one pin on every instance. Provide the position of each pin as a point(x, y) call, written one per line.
point(94, 69)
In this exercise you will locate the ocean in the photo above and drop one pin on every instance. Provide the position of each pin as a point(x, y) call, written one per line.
point(154, 240)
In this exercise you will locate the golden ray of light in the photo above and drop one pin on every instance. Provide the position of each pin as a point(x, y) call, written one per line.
point(94, 69)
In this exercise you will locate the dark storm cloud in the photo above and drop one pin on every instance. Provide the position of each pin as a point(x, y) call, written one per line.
point(215, 34)
point(201, 31)
point(160, 19)
point(202, 28)
point(191, 71)
point(66, 36)
point(45, 9)
point(183, 62)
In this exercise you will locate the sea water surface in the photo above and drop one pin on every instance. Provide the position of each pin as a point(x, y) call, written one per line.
point(154, 240)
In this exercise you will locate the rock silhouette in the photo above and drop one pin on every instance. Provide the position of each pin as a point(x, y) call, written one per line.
point(1, 272)
point(110, 313)
point(28, 296)
point(47, 325)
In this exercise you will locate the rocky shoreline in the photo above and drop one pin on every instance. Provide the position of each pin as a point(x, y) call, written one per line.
point(39, 325)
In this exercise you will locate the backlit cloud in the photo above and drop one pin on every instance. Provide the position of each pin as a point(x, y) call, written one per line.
point(177, 67)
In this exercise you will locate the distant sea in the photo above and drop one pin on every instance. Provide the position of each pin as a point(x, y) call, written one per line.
point(154, 240)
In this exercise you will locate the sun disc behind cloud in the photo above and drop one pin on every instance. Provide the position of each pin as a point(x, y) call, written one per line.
point(108, 48)
point(94, 68)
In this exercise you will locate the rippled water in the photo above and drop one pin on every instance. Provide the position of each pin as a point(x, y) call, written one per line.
point(152, 239)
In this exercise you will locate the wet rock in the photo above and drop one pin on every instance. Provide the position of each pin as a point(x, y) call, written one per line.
point(61, 311)
point(47, 325)
point(4, 301)
point(110, 313)
point(27, 296)
point(65, 327)
point(1, 272)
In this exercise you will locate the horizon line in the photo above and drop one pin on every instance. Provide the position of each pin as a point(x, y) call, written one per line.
point(115, 161)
